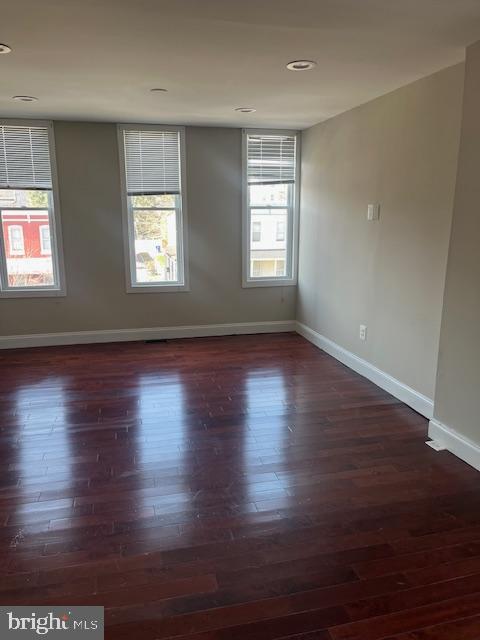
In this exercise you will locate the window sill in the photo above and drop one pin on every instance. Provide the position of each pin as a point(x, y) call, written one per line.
point(33, 293)
point(159, 288)
point(264, 282)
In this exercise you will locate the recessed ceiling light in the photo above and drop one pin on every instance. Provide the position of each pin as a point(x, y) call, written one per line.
point(4, 48)
point(25, 98)
point(245, 109)
point(301, 65)
point(158, 90)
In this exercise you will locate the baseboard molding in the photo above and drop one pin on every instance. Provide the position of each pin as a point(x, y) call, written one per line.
point(403, 392)
point(154, 333)
point(457, 444)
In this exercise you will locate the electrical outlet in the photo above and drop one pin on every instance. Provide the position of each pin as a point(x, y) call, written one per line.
point(363, 332)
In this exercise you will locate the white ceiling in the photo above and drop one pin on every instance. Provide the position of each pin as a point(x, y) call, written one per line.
point(97, 59)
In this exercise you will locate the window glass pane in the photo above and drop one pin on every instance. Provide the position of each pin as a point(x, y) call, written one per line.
point(268, 254)
point(27, 265)
point(7, 196)
point(163, 200)
point(155, 245)
point(23, 198)
point(256, 268)
point(269, 194)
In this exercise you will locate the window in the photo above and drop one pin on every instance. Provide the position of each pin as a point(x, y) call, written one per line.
point(27, 211)
point(270, 211)
point(15, 240)
point(45, 242)
point(153, 180)
point(256, 231)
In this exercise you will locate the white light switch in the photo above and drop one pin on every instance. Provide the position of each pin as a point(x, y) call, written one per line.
point(373, 212)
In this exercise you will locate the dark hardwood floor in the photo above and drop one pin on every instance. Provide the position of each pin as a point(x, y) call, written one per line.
point(237, 488)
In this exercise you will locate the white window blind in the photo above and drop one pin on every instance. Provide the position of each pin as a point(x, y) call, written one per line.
point(152, 161)
point(271, 159)
point(24, 158)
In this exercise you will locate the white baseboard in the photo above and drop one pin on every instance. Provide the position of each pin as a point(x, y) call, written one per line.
point(403, 392)
point(457, 444)
point(155, 333)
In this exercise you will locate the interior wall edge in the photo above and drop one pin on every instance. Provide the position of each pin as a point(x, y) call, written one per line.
point(414, 399)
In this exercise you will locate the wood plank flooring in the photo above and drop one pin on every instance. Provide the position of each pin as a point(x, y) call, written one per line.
point(236, 488)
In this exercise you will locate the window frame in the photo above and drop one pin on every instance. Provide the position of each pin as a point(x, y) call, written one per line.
point(54, 220)
point(127, 219)
point(292, 224)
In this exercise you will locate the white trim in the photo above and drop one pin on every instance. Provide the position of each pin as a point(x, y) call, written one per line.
point(267, 282)
point(56, 237)
point(459, 445)
point(292, 230)
point(183, 271)
point(25, 122)
point(154, 333)
point(403, 392)
point(38, 292)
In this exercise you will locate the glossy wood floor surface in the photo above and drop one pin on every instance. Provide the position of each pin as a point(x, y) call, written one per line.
point(237, 488)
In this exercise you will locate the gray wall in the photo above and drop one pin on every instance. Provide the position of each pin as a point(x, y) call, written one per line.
point(401, 151)
point(457, 397)
point(88, 172)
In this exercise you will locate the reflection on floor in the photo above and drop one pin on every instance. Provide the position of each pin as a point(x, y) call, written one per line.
point(244, 488)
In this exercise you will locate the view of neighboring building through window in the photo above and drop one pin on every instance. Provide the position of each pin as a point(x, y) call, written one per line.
point(25, 224)
point(28, 253)
point(153, 194)
point(270, 200)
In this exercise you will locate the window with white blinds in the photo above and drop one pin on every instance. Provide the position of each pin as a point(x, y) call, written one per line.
point(270, 170)
point(25, 158)
point(271, 159)
point(152, 160)
point(27, 212)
